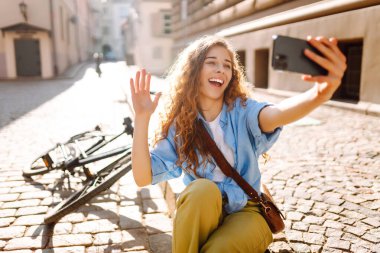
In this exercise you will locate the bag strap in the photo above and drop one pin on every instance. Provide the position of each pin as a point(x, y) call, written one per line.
point(224, 165)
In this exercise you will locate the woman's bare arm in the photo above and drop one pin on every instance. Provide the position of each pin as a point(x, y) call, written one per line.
point(144, 107)
point(294, 108)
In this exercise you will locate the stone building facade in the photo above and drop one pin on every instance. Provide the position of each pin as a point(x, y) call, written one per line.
point(42, 38)
point(148, 35)
point(250, 25)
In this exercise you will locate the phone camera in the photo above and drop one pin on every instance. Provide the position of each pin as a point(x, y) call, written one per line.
point(280, 62)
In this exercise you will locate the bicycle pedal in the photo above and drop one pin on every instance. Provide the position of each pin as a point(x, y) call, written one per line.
point(88, 173)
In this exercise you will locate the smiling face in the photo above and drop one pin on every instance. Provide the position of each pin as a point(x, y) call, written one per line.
point(215, 76)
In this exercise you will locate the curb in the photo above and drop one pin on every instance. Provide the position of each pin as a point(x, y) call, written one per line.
point(69, 73)
point(171, 190)
point(366, 108)
point(73, 70)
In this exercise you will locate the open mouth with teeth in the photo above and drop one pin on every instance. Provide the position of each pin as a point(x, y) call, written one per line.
point(216, 82)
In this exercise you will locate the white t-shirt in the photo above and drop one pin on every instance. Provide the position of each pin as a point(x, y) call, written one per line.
point(222, 145)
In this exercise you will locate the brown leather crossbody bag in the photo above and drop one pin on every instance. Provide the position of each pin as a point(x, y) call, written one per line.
point(269, 210)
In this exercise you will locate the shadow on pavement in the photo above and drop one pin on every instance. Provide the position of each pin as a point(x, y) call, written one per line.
point(136, 238)
point(18, 97)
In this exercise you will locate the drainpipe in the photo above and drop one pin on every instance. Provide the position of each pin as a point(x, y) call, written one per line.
point(54, 55)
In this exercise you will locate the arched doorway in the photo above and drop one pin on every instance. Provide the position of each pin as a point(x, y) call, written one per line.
point(106, 49)
point(108, 53)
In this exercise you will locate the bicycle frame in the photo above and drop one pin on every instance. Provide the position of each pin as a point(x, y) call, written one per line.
point(82, 159)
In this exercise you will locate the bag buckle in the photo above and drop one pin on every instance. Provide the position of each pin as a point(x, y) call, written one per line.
point(267, 208)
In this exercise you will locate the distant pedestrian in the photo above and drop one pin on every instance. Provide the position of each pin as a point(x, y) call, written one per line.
point(98, 57)
point(213, 214)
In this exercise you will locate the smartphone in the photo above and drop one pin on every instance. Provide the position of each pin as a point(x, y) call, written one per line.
point(288, 55)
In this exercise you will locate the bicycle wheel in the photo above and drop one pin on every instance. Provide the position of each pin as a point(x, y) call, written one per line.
point(61, 154)
point(44, 163)
point(38, 167)
point(52, 159)
point(97, 132)
point(103, 180)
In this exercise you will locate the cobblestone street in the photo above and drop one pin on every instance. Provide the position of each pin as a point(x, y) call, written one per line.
point(323, 172)
point(36, 116)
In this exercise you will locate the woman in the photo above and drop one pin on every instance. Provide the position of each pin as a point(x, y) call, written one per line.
point(213, 214)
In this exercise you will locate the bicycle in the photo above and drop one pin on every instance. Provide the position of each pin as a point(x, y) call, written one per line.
point(102, 180)
point(72, 156)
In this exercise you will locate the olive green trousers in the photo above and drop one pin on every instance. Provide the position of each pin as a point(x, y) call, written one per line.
point(201, 226)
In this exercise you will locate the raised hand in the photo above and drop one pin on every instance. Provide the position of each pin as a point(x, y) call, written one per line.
point(333, 60)
point(140, 91)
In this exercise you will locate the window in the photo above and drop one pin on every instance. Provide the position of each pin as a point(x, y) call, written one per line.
point(167, 17)
point(161, 23)
point(349, 90)
point(261, 68)
point(241, 58)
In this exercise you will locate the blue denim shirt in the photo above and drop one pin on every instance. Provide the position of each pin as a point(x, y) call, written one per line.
point(242, 133)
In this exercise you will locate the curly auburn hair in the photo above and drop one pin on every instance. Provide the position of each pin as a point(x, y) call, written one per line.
point(182, 108)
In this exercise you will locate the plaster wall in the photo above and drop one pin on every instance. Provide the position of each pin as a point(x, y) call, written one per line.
point(145, 52)
point(358, 24)
point(37, 12)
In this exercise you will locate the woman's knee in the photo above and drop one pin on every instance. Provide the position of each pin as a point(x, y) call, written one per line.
point(244, 231)
point(228, 244)
point(219, 245)
point(198, 213)
point(202, 191)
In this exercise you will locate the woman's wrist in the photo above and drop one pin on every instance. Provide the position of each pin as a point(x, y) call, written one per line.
point(142, 119)
point(319, 96)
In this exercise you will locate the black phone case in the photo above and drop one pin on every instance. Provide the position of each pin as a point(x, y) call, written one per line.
point(288, 55)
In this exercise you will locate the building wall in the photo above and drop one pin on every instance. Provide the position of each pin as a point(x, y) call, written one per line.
point(83, 30)
point(120, 12)
point(330, 26)
point(348, 21)
point(65, 34)
point(113, 15)
point(155, 56)
point(38, 13)
point(3, 63)
point(65, 42)
point(94, 25)
point(106, 21)
point(130, 34)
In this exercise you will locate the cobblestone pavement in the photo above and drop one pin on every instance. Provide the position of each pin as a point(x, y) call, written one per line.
point(34, 116)
point(324, 173)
